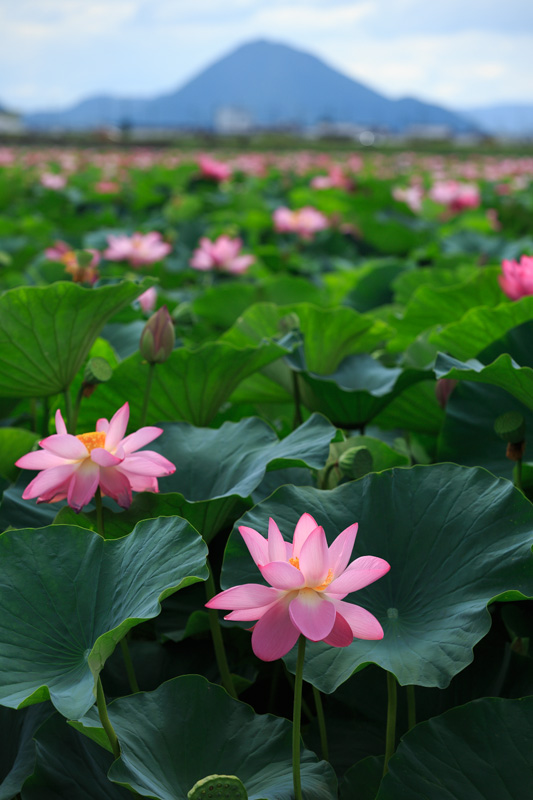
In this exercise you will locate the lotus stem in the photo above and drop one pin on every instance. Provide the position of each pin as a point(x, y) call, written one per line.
point(411, 707)
point(321, 723)
point(76, 411)
point(218, 641)
point(518, 475)
point(99, 513)
point(147, 390)
point(104, 718)
point(390, 736)
point(297, 402)
point(128, 663)
point(296, 720)
point(68, 410)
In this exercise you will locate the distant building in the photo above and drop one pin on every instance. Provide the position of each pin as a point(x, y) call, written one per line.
point(433, 133)
point(10, 122)
point(230, 120)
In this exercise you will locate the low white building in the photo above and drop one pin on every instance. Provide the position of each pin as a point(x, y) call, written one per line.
point(230, 120)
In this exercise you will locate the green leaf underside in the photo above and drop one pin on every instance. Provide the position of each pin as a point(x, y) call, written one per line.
point(455, 539)
point(58, 630)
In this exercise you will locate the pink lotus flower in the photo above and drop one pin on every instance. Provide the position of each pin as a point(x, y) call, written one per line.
point(139, 249)
point(50, 180)
point(335, 179)
point(223, 254)
point(63, 252)
point(213, 169)
point(412, 196)
point(148, 299)
point(456, 196)
point(304, 221)
point(73, 467)
point(308, 582)
point(107, 187)
point(517, 278)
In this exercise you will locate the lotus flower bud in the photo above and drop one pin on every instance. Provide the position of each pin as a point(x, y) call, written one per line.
point(158, 337)
point(356, 462)
point(511, 427)
point(443, 389)
point(98, 370)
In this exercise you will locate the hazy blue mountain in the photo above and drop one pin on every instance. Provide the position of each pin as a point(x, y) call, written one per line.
point(504, 120)
point(276, 84)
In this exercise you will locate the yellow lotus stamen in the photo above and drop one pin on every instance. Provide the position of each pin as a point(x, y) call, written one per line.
point(326, 582)
point(92, 440)
point(295, 562)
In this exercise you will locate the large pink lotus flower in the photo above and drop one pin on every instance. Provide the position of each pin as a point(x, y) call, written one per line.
point(139, 249)
point(73, 467)
point(456, 196)
point(517, 278)
point(223, 254)
point(308, 582)
point(304, 221)
point(214, 170)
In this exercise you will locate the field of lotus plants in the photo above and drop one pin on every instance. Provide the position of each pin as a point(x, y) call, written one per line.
point(266, 500)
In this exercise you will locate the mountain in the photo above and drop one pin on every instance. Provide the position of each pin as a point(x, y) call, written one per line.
point(274, 83)
point(504, 120)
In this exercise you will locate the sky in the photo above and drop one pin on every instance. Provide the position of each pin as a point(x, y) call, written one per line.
point(458, 53)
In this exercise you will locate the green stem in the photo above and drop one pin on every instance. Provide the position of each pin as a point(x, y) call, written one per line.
point(296, 719)
point(128, 663)
point(218, 641)
point(77, 409)
point(518, 478)
point(305, 706)
point(99, 513)
point(104, 718)
point(321, 723)
point(33, 413)
point(68, 409)
point(390, 737)
point(297, 406)
point(46, 415)
point(147, 389)
point(327, 472)
point(411, 707)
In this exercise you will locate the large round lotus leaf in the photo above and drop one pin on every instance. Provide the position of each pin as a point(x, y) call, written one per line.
point(47, 331)
point(70, 766)
point(195, 729)
point(468, 432)
point(17, 754)
point(359, 389)
point(233, 459)
point(191, 385)
point(480, 751)
point(481, 327)
point(68, 597)
point(455, 539)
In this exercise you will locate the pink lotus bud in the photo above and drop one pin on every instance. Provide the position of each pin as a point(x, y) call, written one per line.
point(158, 337)
point(443, 389)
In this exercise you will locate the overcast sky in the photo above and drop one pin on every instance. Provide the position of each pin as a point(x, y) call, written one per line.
point(460, 53)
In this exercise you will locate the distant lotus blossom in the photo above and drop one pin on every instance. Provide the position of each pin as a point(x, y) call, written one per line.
point(456, 196)
point(304, 221)
point(335, 179)
point(81, 273)
point(139, 249)
point(412, 196)
point(223, 255)
point(148, 299)
point(517, 278)
point(107, 187)
point(50, 180)
point(308, 581)
point(74, 467)
point(213, 169)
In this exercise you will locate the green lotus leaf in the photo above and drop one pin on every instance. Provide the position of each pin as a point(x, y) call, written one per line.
point(481, 327)
point(17, 754)
point(430, 306)
point(201, 731)
point(446, 532)
point(481, 749)
point(46, 333)
point(69, 765)
point(191, 385)
point(504, 373)
point(14, 443)
point(58, 629)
